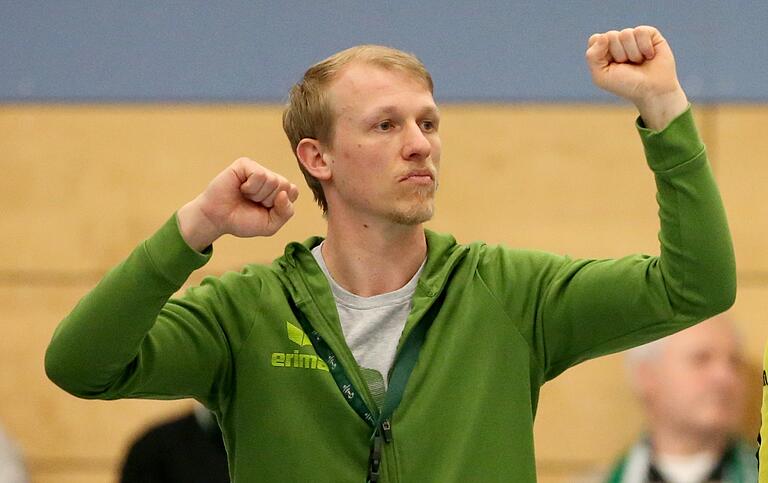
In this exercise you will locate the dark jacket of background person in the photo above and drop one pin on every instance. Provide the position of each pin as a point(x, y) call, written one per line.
point(185, 450)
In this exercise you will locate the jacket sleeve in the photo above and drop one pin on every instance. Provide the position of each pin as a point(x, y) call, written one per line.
point(580, 309)
point(126, 339)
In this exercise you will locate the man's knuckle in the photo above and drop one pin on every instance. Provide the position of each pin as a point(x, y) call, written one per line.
point(259, 175)
point(627, 34)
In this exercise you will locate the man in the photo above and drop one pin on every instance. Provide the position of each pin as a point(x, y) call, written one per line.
point(386, 351)
point(691, 389)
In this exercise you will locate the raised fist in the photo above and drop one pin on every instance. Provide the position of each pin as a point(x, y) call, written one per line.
point(245, 200)
point(637, 64)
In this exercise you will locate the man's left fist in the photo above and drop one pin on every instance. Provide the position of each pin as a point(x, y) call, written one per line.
point(634, 63)
point(637, 64)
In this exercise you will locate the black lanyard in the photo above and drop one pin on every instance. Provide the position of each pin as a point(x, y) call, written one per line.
point(378, 421)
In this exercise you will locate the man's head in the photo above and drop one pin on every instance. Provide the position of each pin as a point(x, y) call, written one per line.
point(325, 111)
point(691, 382)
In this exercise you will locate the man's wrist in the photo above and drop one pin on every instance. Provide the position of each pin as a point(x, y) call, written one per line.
point(658, 111)
point(676, 145)
point(198, 232)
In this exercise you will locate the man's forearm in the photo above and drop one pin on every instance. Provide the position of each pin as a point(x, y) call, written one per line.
point(696, 249)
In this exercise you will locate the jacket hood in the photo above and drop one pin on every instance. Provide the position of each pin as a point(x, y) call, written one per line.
point(304, 279)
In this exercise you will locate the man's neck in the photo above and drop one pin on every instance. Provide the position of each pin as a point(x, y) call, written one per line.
point(372, 258)
point(678, 443)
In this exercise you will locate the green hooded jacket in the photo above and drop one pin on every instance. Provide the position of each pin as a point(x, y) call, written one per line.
point(503, 322)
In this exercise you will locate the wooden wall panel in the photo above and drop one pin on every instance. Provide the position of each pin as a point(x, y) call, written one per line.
point(751, 315)
point(587, 414)
point(76, 477)
point(566, 179)
point(82, 186)
point(742, 136)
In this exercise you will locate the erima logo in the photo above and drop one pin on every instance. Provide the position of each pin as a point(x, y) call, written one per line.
point(297, 359)
point(297, 335)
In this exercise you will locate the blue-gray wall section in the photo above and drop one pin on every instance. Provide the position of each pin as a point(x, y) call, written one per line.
point(252, 51)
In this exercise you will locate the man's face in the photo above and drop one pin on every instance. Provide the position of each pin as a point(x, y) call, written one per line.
point(385, 152)
point(696, 384)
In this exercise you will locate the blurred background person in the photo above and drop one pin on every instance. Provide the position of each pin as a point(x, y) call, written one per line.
point(188, 449)
point(12, 468)
point(691, 389)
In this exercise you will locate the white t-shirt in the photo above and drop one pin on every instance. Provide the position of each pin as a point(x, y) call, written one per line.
point(372, 326)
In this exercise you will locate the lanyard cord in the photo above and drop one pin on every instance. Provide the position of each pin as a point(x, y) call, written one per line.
point(378, 421)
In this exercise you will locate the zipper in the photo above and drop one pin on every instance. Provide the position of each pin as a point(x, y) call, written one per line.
point(381, 436)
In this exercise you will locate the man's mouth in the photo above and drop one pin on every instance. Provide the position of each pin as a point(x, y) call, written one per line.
point(419, 176)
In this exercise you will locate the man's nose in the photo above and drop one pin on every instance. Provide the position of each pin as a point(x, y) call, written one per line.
point(416, 146)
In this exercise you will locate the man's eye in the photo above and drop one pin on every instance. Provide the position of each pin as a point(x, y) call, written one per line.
point(385, 125)
point(428, 126)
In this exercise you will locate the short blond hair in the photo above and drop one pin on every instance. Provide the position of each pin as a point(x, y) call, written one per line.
point(309, 113)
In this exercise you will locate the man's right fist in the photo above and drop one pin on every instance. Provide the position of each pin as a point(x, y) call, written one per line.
point(245, 200)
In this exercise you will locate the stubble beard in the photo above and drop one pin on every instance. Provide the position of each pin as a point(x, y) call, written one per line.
point(419, 209)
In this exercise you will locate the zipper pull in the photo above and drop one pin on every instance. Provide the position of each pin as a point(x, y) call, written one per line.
point(386, 430)
point(374, 459)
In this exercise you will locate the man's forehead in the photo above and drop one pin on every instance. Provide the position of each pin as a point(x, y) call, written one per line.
point(427, 107)
point(365, 79)
point(367, 68)
point(708, 335)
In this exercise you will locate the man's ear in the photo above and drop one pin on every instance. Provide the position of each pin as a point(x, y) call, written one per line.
point(312, 156)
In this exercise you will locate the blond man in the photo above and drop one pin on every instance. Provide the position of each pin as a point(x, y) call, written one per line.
point(384, 351)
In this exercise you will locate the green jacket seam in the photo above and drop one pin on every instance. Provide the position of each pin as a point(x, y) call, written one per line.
point(510, 319)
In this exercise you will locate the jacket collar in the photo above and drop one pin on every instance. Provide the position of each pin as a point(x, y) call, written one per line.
point(307, 281)
point(310, 291)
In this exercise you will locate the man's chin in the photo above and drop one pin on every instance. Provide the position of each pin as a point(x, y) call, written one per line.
point(715, 425)
point(413, 217)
